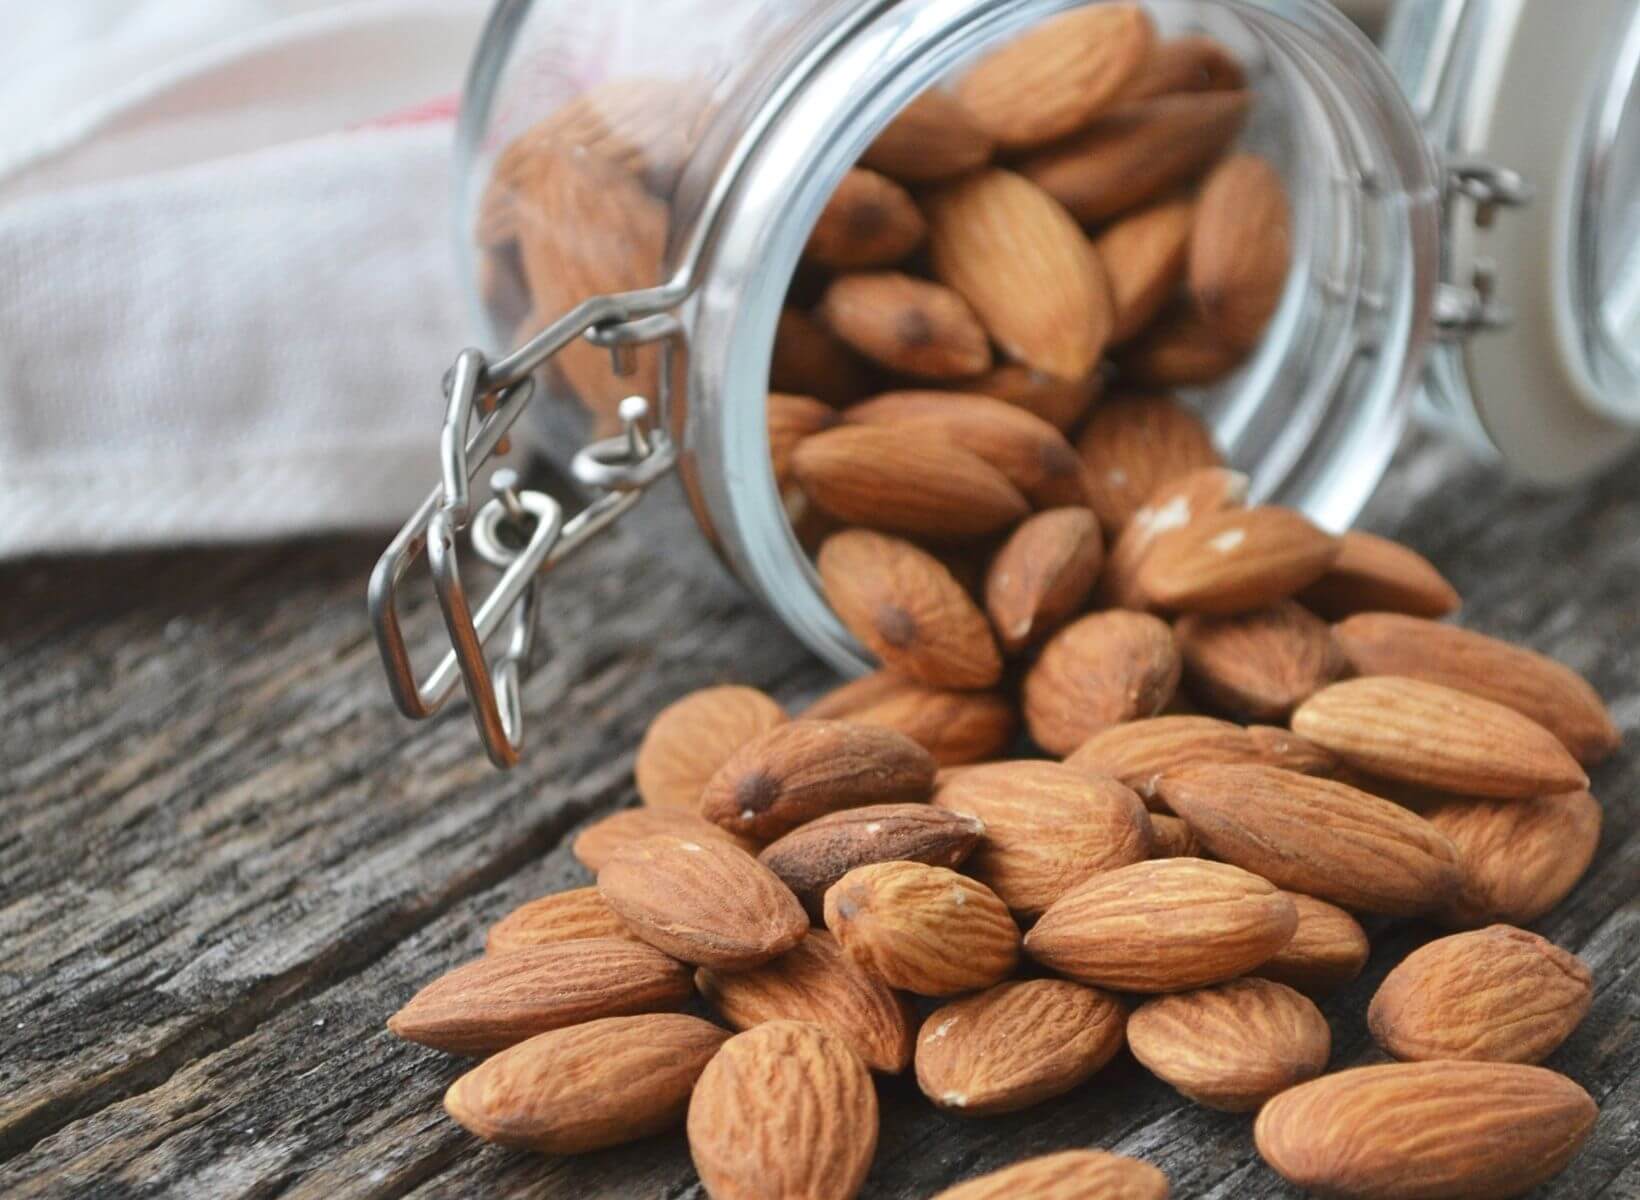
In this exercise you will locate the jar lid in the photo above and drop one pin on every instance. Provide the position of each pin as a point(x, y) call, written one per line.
point(1540, 306)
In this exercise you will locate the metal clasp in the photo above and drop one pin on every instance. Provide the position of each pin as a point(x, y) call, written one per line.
point(1467, 307)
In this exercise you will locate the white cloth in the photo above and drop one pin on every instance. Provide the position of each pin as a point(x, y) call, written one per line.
point(227, 291)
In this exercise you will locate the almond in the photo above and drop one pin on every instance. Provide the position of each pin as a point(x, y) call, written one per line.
point(923, 929)
point(920, 486)
point(1178, 349)
point(907, 324)
point(1016, 1044)
point(792, 418)
point(1139, 753)
point(785, 1109)
point(1328, 949)
point(816, 982)
point(933, 137)
point(1257, 665)
point(705, 902)
point(1233, 1046)
point(806, 769)
point(594, 845)
point(1173, 505)
point(1192, 63)
point(1519, 858)
point(1167, 925)
point(808, 360)
point(1240, 249)
point(1498, 994)
point(1374, 574)
point(1043, 575)
point(1132, 445)
point(1236, 560)
point(1170, 837)
point(1144, 257)
point(1060, 402)
point(1534, 685)
point(1067, 1175)
point(814, 856)
point(1057, 77)
point(562, 917)
point(1434, 736)
point(1138, 151)
point(1316, 836)
point(870, 221)
point(1047, 828)
point(588, 1086)
point(692, 737)
point(1025, 267)
point(498, 1001)
point(955, 727)
point(1426, 1131)
point(1100, 670)
point(909, 610)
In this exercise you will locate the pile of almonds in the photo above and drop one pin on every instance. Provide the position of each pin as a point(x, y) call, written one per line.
point(1259, 731)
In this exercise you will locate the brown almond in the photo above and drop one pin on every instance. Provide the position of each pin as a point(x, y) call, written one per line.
point(931, 138)
point(1047, 828)
point(907, 324)
point(562, 917)
point(1191, 63)
point(1167, 925)
point(806, 769)
point(1240, 249)
point(1375, 574)
point(1062, 403)
point(1534, 685)
point(1057, 77)
point(808, 360)
point(1236, 560)
point(923, 929)
point(870, 221)
point(1043, 575)
point(1144, 257)
point(1328, 949)
point(1233, 1046)
point(1016, 1044)
point(1173, 505)
point(1170, 837)
point(1434, 736)
point(705, 902)
point(692, 737)
point(588, 1086)
point(1101, 670)
point(1518, 858)
point(814, 856)
point(1067, 1175)
point(955, 727)
point(909, 610)
point(594, 845)
point(1258, 665)
point(1139, 753)
point(816, 982)
point(785, 1109)
point(1025, 267)
point(1316, 836)
point(1498, 994)
point(792, 418)
point(497, 1001)
point(1132, 445)
point(922, 487)
point(1177, 350)
point(1426, 1131)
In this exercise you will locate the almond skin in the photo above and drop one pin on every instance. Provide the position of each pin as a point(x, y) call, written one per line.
point(955, 727)
point(808, 360)
point(1132, 445)
point(562, 917)
point(814, 856)
point(1233, 1046)
point(1043, 575)
point(1240, 249)
point(1139, 753)
point(1375, 574)
point(1098, 671)
point(1534, 685)
point(705, 902)
point(1236, 560)
point(907, 324)
point(909, 611)
point(691, 738)
point(816, 982)
point(588, 1086)
point(1316, 836)
point(1498, 994)
point(1144, 256)
point(1519, 858)
point(1426, 1131)
point(1016, 1044)
point(595, 844)
point(1258, 665)
point(1062, 403)
point(806, 769)
point(791, 419)
point(1173, 505)
point(932, 138)
point(1176, 350)
point(870, 221)
point(498, 1001)
point(1067, 1175)
point(785, 1109)
point(1192, 63)
point(1328, 949)
point(1047, 828)
point(1170, 837)
point(923, 929)
point(1167, 925)
point(1433, 736)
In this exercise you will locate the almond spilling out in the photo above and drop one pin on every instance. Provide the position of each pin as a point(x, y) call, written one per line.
point(1067, 1175)
point(1047, 828)
point(562, 917)
point(1016, 1044)
point(1139, 753)
point(933, 137)
point(587, 1086)
point(907, 324)
point(923, 929)
point(1173, 505)
point(1043, 575)
point(1167, 925)
point(1426, 1131)
point(1236, 560)
point(1144, 257)
point(785, 1109)
point(1240, 249)
point(1375, 574)
point(955, 727)
point(1437, 737)
point(1328, 949)
point(691, 738)
point(870, 221)
point(1257, 665)
point(1099, 671)
point(1233, 1046)
point(595, 844)
point(498, 1001)
point(1132, 445)
point(1498, 994)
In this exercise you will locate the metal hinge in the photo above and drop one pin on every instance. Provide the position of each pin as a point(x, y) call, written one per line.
point(1465, 308)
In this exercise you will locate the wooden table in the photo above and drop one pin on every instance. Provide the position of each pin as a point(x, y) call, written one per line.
point(224, 860)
